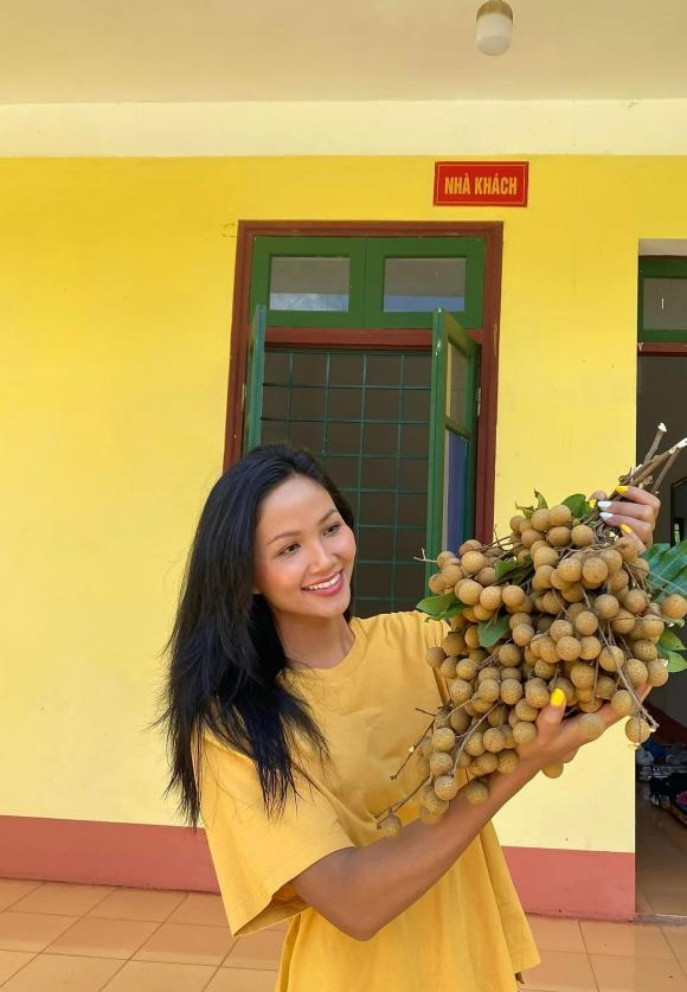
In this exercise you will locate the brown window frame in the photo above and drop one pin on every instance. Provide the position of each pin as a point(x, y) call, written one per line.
point(487, 336)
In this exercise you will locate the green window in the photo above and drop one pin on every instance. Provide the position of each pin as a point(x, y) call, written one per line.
point(662, 300)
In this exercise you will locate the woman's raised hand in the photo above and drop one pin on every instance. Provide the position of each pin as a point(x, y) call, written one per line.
point(635, 512)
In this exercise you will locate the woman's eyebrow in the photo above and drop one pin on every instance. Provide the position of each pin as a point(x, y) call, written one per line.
point(295, 533)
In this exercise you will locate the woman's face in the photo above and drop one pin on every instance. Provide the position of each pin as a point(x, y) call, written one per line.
point(304, 552)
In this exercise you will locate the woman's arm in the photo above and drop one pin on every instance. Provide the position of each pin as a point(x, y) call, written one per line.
point(360, 890)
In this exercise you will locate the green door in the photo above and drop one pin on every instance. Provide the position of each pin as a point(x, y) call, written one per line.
point(255, 375)
point(452, 436)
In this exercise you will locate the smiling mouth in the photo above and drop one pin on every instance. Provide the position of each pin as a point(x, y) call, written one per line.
point(328, 584)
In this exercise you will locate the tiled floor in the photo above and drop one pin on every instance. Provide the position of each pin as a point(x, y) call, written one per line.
point(84, 938)
point(661, 862)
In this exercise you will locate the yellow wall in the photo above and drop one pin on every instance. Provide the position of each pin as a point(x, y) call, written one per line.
point(115, 300)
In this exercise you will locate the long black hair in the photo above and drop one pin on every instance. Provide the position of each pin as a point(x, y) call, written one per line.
point(224, 650)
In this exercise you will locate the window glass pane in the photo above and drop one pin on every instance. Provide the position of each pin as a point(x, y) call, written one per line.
point(309, 283)
point(383, 370)
point(409, 545)
point(456, 385)
point(419, 285)
point(344, 472)
point(417, 370)
point(455, 482)
point(345, 370)
point(308, 369)
point(307, 403)
point(382, 404)
point(276, 366)
point(665, 304)
point(379, 473)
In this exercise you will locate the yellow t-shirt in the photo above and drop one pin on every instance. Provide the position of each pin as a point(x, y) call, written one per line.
point(468, 933)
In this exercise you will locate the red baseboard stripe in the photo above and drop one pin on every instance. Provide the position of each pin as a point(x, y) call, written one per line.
point(551, 882)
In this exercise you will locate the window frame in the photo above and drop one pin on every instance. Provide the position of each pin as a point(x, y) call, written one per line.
point(659, 267)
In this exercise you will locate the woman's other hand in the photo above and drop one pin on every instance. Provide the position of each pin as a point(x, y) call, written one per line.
point(635, 514)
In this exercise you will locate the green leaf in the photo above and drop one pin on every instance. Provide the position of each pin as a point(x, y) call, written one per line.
point(676, 663)
point(527, 511)
point(491, 631)
point(504, 568)
point(577, 504)
point(671, 642)
point(454, 611)
point(541, 502)
point(667, 569)
point(436, 605)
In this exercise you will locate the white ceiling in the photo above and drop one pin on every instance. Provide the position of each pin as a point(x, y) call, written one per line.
point(65, 51)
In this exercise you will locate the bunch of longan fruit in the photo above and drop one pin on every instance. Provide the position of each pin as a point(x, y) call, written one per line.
point(560, 604)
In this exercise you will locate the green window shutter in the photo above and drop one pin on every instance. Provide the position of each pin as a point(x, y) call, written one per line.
point(452, 436)
point(659, 276)
point(255, 374)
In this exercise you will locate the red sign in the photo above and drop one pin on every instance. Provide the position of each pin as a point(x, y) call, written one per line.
point(481, 184)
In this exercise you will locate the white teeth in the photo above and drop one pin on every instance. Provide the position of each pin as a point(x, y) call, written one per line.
point(325, 585)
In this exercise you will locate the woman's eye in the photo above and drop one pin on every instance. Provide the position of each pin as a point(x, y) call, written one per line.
point(333, 529)
point(288, 549)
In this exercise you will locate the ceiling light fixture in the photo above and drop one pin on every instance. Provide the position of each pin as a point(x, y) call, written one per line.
point(494, 27)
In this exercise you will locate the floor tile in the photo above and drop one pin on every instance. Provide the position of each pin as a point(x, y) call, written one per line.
point(11, 961)
point(628, 974)
point(54, 973)
point(200, 909)
point(677, 938)
point(187, 944)
point(257, 950)
point(30, 931)
point(138, 904)
point(14, 889)
point(562, 971)
point(146, 976)
point(61, 899)
point(557, 935)
point(243, 980)
point(103, 938)
point(627, 939)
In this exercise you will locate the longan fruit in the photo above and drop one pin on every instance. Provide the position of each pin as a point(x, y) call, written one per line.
point(435, 657)
point(446, 787)
point(481, 613)
point(560, 628)
point(636, 672)
point(471, 636)
point(507, 762)
point(511, 673)
point(459, 720)
point(545, 555)
point(540, 520)
point(490, 598)
point(582, 536)
point(524, 712)
point(570, 569)
point(464, 760)
point(448, 667)
point(460, 691)
point(524, 733)
point(453, 643)
point(590, 648)
point(452, 574)
point(559, 537)
point(436, 583)
point(645, 650)
point(516, 522)
point(560, 515)
point(497, 715)
point(468, 591)
point(467, 614)
point(553, 602)
point(390, 826)
point(658, 672)
point(591, 726)
point(472, 545)
point(554, 770)
point(486, 576)
point(624, 622)
point(485, 764)
point(653, 628)
point(523, 634)
point(637, 730)
point(618, 582)
point(640, 567)
point(474, 745)
point(543, 670)
point(509, 654)
point(466, 669)
point(479, 705)
point(585, 695)
point(489, 690)
point(611, 658)
point(489, 672)
point(511, 691)
point(606, 606)
point(623, 703)
point(528, 537)
point(613, 559)
point(635, 601)
point(582, 675)
point(476, 792)
point(541, 580)
point(566, 686)
point(594, 571)
point(443, 739)
point(513, 597)
point(440, 762)
point(628, 548)
point(569, 648)
point(586, 623)
point(558, 583)
point(591, 706)
point(573, 593)
point(527, 605)
point(574, 610)
point(445, 558)
point(605, 687)
point(493, 740)
point(674, 606)
point(537, 693)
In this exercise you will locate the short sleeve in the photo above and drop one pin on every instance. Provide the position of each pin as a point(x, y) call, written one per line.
point(255, 855)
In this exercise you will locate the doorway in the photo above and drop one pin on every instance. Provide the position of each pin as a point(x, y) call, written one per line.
point(661, 764)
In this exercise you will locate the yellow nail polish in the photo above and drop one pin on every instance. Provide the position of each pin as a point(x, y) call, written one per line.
point(621, 489)
point(557, 697)
point(626, 529)
point(592, 503)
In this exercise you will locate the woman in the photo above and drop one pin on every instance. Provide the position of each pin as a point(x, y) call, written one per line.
point(288, 718)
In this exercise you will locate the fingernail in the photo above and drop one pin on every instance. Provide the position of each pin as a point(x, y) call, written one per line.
point(621, 489)
point(605, 516)
point(592, 503)
point(626, 529)
point(604, 503)
point(558, 697)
